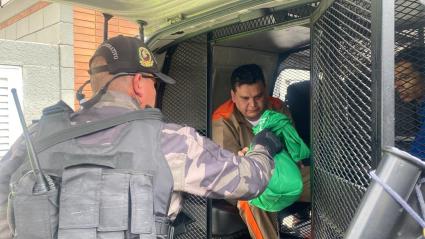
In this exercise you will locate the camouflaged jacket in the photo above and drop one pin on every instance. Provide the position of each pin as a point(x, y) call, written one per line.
point(198, 165)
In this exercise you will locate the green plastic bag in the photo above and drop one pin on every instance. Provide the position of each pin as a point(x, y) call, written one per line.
point(285, 185)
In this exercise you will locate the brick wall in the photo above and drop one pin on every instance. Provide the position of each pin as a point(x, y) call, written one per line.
point(88, 34)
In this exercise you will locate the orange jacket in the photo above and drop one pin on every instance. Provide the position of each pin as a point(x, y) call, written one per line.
point(231, 130)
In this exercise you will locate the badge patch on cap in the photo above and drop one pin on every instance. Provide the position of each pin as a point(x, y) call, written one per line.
point(145, 57)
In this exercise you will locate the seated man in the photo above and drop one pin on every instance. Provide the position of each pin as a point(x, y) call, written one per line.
point(410, 85)
point(232, 129)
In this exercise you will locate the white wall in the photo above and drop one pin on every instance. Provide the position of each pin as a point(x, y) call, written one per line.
point(40, 73)
point(50, 25)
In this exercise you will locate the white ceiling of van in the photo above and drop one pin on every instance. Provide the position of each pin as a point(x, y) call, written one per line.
point(189, 16)
point(272, 41)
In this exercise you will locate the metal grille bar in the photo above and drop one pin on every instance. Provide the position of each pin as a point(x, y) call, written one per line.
point(410, 25)
point(409, 94)
point(341, 114)
point(186, 103)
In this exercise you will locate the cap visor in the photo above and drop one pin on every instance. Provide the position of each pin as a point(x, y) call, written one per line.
point(165, 78)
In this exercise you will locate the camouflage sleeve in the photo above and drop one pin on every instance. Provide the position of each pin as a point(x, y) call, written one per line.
point(224, 135)
point(201, 167)
point(8, 164)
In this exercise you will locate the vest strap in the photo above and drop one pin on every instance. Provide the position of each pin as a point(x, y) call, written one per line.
point(93, 127)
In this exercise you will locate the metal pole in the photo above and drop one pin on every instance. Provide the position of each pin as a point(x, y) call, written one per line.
point(210, 71)
point(378, 212)
point(106, 17)
point(142, 25)
point(382, 77)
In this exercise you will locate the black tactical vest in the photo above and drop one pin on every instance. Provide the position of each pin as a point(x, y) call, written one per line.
point(119, 188)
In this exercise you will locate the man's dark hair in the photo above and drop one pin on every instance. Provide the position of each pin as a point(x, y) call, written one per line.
point(415, 55)
point(247, 74)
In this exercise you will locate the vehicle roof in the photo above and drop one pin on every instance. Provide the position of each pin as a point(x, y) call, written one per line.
point(168, 20)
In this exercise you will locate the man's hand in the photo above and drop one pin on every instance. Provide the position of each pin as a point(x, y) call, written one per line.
point(242, 152)
point(267, 139)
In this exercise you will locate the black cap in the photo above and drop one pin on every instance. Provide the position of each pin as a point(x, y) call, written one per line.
point(127, 55)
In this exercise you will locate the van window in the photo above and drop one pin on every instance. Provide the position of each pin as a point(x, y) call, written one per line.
point(294, 68)
point(286, 78)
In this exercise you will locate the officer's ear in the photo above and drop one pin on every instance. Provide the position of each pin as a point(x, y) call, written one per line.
point(137, 85)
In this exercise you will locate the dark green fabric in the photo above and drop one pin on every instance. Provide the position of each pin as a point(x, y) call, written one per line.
point(285, 185)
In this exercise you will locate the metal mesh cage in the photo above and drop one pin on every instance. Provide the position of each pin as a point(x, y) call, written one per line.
point(409, 76)
point(409, 106)
point(273, 18)
point(186, 103)
point(341, 114)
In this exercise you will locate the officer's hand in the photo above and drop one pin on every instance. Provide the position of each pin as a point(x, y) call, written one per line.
point(267, 139)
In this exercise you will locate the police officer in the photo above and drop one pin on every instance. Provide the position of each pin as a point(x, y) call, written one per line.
point(123, 181)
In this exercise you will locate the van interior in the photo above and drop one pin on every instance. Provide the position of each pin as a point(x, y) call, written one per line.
point(202, 66)
point(284, 56)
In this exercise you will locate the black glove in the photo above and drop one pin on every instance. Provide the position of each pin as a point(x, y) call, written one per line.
point(267, 139)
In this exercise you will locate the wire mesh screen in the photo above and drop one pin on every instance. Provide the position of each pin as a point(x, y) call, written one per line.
point(186, 103)
point(409, 93)
point(270, 19)
point(341, 114)
point(409, 76)
point(293, 69)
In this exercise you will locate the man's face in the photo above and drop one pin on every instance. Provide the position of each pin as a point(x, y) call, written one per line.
point(250, 99)
point(408, 82)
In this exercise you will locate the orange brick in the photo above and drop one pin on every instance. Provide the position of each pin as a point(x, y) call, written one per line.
point(99, 32)
point(84, 52)
point(83, 37)
point(113, 34)
point(84, 30)
point(113, 28)
point(84, 10)
point(99, 40)
point(85, 45)
point(84, 16)
point(82, 23)
point(81, 65)
point(81, 58)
